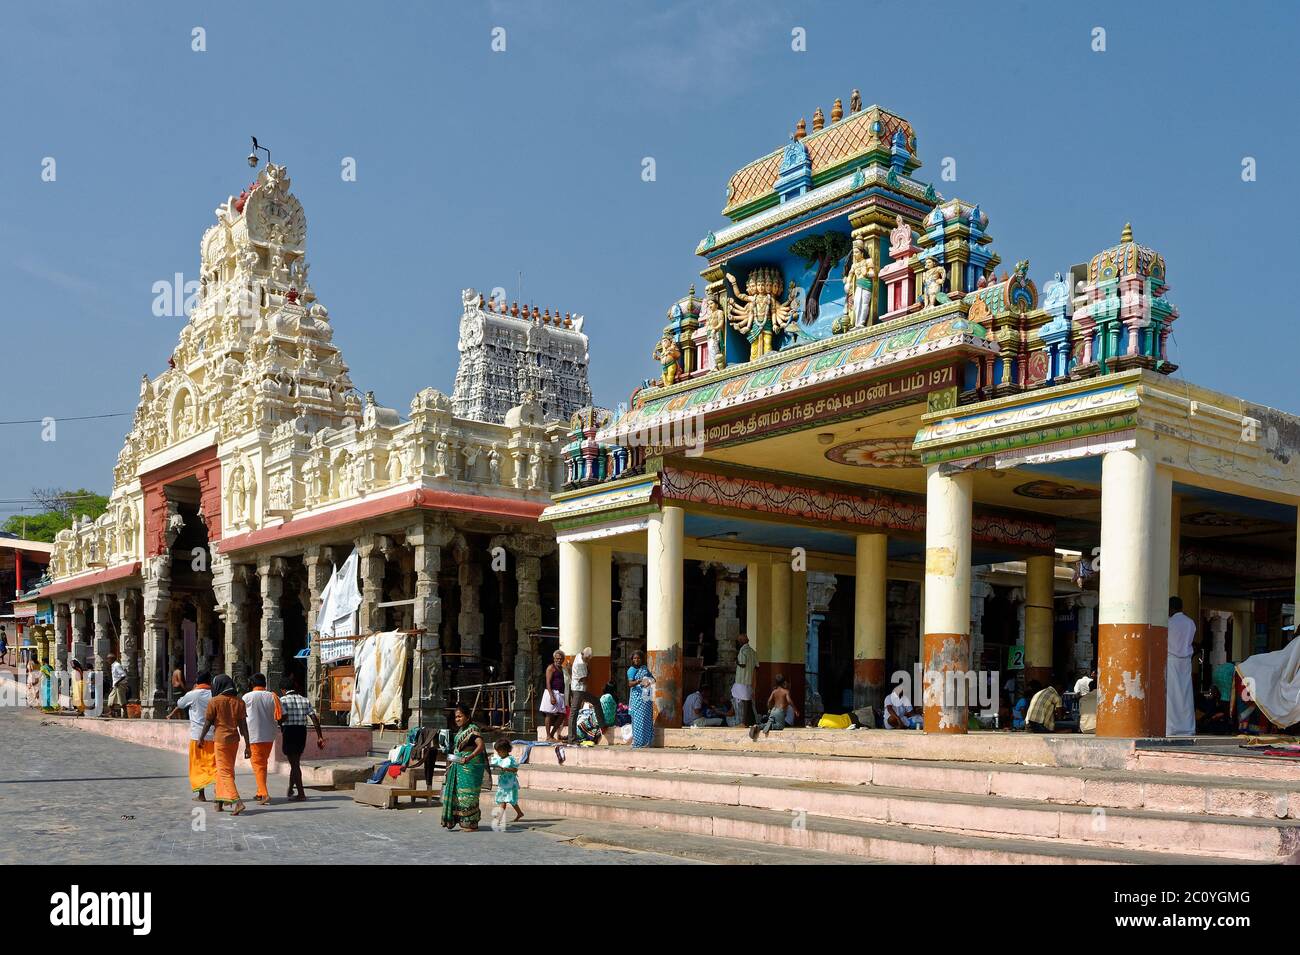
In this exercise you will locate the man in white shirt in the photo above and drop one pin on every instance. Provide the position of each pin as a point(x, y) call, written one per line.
point(117, 694)
point(742, 690)
point(1180, 709)
point(579, 694)
point(203, 749)
point(264, 714)
point(899, 712)
point(1085, 683)
point(698, 711)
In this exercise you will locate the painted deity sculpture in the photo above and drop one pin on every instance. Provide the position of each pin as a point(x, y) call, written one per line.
point(860, 285)
point(932, 280)
point(761, 315)
point(667, 353)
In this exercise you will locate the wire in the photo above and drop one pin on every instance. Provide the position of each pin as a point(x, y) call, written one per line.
point(84, 417)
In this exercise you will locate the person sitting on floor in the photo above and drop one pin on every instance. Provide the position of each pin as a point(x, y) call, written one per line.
point(899, 712)
point(1212, 713)
point(698, 710)
point(587, 726)
point(779, 703)
point(1040, 717)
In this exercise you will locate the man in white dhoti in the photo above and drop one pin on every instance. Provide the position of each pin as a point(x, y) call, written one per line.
point(1180, 711)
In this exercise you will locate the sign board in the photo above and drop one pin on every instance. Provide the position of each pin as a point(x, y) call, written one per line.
point(1015, 658)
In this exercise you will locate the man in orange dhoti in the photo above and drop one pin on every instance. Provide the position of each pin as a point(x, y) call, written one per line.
point(227, 715)
point(264, 715)
point(203, 766)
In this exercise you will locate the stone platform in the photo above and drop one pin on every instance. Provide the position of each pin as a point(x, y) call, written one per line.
point(910, 797)
point(344, 760)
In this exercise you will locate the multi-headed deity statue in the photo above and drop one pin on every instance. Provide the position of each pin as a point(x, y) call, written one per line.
point(667, 353)
point(860, 286)
point(761, 315)
point(932, 280)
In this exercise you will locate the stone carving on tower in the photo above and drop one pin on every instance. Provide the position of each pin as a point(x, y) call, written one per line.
point(507, 353)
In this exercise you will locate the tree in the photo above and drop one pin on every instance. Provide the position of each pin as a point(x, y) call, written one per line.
point(61, 508)
point(823, 251)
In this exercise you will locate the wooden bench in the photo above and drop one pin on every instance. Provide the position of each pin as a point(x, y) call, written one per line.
point(386, 794)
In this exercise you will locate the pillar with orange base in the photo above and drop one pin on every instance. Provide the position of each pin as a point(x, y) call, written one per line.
point(758, 620)
point(575, 598)
point(1040, 586)
point(779, 645)
point(664, 539)
point(1133, 609)
point(794, 667)
point(869, 590)
point(945, 652)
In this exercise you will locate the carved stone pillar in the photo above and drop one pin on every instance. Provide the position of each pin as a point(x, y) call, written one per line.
point(157, 609)
point(980, 591)
point(62, 630)
point(1017, 597)
point(529, 551)
point(270, 575)
point(1085, 613)
point(1218, 636)
point(727, 627)
point(469, 577)
point(319, 565)
point(370, 551)
point(103, 639)
point(631, 616)
point(128, 602)
point(821, 588)
point(81, 638)
point(428, 694)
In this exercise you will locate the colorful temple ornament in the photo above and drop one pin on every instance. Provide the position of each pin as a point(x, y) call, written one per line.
point(589, 461)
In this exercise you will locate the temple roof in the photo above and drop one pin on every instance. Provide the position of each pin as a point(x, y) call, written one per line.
point(850, 142)
point(1127, 258)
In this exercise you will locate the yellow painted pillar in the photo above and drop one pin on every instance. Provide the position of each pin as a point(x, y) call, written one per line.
point(602, 600)
point(780, 608)
point(1133, 603)
point(869, 621)
point(945, 651)
point(1040, 588)
point(664, 540)
point(794, 666)
point(758, 608)
point(1175, 546)
point(575, 597)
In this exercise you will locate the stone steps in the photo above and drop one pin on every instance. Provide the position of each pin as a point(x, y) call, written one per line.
point(1221, 794)
point(975, 815)
point(844, 839)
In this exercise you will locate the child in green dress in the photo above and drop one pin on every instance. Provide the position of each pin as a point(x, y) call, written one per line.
point(507, 770)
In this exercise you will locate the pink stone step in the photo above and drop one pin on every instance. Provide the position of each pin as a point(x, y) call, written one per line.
point(1112, 789)
point(884, 843)
point(984, 815)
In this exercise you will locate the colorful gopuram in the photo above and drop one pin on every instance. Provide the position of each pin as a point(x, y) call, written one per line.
point(871, 446)
point(253, 468)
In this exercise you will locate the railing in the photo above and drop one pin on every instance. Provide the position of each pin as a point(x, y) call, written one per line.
point(495, 702)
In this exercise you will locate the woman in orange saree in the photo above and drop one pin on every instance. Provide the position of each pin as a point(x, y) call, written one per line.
point(228, 716)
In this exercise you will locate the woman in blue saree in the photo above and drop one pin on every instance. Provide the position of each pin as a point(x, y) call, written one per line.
point(466, 764)
point(641, 701)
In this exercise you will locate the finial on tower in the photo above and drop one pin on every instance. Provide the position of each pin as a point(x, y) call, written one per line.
point(800, 129)
point(837, 110)
point(1127, 234)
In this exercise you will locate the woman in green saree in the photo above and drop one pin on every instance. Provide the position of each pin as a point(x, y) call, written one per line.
point(466, 764)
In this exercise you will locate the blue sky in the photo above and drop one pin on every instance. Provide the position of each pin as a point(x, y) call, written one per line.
point(475, 166)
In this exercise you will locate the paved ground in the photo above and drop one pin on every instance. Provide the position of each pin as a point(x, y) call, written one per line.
point(67, 795)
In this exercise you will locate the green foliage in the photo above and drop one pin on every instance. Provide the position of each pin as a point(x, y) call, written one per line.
point(60, 509)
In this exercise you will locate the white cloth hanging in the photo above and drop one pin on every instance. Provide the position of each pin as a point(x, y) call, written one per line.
point(338, 612)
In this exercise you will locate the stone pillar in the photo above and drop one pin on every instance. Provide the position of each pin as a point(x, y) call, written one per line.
point(1040, 594)
point(946, 648)
point(128, 602)
point(600, 617)
point(1133, 607)
point(469, 578)
point(779, 653)
point(1084, 616)
point(980, 592)
point(370, 552)
point(821, 588)
point(103, 642)
point(869, 620)
point(157, 609)
point(794, 669)
point(727, 625)
point(81, 637)
point(1218, 637)
point(270, 575)
point(62, 631)
point(529, 551)
point(664, 582)
point(428, 691)
point(318, 562)
point(631, 615)
point(758, 618)
point(236, 617)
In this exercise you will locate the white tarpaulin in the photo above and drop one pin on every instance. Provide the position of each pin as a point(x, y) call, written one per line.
point(1274, 682)
point(338, 612)
point(380, 662)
